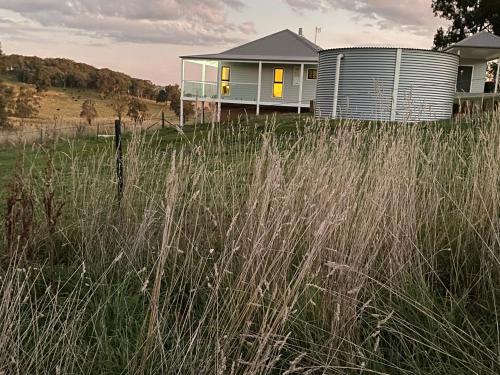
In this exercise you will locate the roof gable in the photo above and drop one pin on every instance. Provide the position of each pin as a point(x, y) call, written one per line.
point(284, 45)
point(483, 39)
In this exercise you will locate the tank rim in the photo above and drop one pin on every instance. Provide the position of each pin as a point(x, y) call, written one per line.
point(387, 48)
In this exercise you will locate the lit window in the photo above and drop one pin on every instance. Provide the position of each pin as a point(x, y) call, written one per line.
point(278, 82)
point(312, 73)
point(226, 73)
point(225, 78)
point(225, 89)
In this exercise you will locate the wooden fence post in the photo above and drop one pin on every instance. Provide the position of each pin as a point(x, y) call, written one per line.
point(312, 108)
point(202, 112)
point(162, 119)
point(196, 111)
point(119, 159)
point(41, 135)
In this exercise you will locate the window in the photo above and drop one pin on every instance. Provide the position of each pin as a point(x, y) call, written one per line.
point(279, 74)
point(312, 73)
point(225, 88)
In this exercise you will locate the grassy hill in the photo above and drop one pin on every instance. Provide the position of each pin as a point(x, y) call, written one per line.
point(65, 105)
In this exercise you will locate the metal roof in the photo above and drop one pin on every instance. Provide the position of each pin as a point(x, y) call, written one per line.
point(483, 46)
point(483, 39)
point(284, 45)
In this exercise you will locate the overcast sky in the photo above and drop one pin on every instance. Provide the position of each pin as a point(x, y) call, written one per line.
point(144, 38)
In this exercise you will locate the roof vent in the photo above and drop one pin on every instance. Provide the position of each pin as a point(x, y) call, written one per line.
point(300, 31)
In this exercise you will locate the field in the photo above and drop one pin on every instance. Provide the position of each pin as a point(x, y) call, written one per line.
point(60, 109)
point(273, 246)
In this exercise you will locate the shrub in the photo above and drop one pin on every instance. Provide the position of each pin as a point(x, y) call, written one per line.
point(6, 104)
point(89, 112)
point(27, 103)
point(137, 110)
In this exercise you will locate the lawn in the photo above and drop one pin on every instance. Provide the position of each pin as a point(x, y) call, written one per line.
point(273, 246)
point(86, 147)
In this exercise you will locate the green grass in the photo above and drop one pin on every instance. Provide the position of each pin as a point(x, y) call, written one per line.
point(35, 155)
point(267, 247)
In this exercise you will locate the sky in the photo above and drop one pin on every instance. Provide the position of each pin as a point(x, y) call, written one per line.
point(144, 38)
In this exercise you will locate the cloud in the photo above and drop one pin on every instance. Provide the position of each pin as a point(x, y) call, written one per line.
point(23, 30)
point(247, 28)
point(183, 22)
point(412, 15)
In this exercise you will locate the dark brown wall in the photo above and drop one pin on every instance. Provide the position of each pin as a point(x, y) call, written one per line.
point(232, 111)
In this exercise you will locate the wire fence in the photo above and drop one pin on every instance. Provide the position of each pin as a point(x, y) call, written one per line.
point(44, 132)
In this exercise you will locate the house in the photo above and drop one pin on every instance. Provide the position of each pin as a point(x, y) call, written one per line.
point(279, 70)
point(475, 53)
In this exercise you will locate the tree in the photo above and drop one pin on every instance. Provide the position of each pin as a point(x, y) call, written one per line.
point(175, 105)
point(119, 103)
point(137, 110)
point(142, 88)
point(2, 59)
point(162, 96)
point(89, 112)
point(46, 73)
point(166, 94)
point(27, 103)
point(6, 102)
point(171, 90)
point(43, 79)
point(467, 17)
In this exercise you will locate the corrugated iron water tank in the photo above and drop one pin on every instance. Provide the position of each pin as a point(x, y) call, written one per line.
point(386, 84)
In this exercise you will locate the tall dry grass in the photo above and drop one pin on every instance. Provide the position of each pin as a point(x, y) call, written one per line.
point(339, 249)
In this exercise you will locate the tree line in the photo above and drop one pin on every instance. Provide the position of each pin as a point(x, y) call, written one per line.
point(123, 90)
point(65, 73)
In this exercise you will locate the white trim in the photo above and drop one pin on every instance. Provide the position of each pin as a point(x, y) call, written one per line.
point(243, 83)
point(214, 83)
point(471, 77)
point(181, 117)
point(337, 83)
point(498, 76)
point(203, 78)
point(395, 90)
point(249, 102)
point(219, 106)
point(264, 61)
point(301, 86)
point(207, 82)
point(212, 63)
point(312, 79)
point(259, 89)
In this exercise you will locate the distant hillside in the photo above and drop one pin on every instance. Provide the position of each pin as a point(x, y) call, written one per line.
point(65, 73)
point(65, 104)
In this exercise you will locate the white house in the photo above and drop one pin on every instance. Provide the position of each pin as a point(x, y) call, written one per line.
point(279, 70)
point(475, 52)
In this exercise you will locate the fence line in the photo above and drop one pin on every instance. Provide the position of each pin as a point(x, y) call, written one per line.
point(45, 133)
